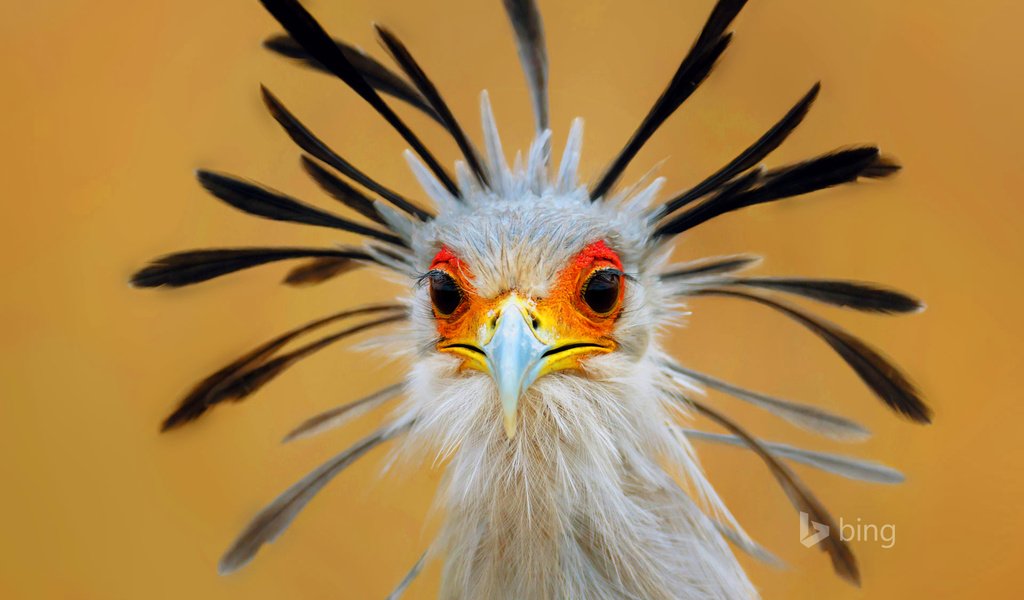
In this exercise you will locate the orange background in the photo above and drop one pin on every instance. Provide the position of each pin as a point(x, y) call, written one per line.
point(108, 107)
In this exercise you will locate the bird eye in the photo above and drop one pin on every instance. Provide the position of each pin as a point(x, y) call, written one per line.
point(444, 293)
point(601, 292)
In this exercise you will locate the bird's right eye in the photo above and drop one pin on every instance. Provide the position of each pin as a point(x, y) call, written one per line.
point(444, 293)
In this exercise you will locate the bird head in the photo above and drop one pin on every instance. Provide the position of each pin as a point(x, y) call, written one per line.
point(550, 308)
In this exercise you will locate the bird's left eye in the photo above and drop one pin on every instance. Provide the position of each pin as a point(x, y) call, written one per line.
point(444, 293)
point(601, 291)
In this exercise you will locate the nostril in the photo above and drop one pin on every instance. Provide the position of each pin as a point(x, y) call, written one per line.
point(535, 322)
point(494, 321)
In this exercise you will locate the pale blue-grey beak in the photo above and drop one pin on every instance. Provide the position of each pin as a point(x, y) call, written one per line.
point(514, 357)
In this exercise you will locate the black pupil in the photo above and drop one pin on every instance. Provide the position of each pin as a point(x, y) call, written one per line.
point(602, 290)
point(444, 292)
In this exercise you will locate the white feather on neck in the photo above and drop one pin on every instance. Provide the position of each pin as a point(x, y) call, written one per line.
point(532, 518)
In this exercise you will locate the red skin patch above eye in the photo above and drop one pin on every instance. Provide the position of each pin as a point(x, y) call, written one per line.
point(446, 260)
point(444, 256)
point(596, 252)
point(566, 300)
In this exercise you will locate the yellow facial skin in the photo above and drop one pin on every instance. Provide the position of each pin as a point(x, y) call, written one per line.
point(517, 339)
point(515, 349)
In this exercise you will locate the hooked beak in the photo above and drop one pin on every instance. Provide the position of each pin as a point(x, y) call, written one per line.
point(514, 356)
point(519, 342)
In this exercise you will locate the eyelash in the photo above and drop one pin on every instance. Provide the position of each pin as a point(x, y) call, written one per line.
point(422, 279)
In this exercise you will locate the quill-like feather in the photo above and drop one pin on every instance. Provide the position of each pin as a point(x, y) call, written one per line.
point(843, 561)
point(533, 54)
point(194, 266)
point(850, 294)
point(204, 393)
point(408, 579)
point(429, 91)
point(341, 191)
point(377, 75)
point(275, 518)
point(749, 546)
point(884, 379)
point(318, 270)
point(305, 139)
point(244, 384)
point(825, 171)
point(264, 202)
point(691, 73)
point(712, 266)
point(845, 466)
point(305, 30)
point(749, 157)
point(339, 415)
point(806, 417)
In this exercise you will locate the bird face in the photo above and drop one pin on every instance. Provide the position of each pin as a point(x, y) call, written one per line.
point(516, 337)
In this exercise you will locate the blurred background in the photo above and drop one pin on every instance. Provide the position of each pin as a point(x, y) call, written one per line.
point(108, 108)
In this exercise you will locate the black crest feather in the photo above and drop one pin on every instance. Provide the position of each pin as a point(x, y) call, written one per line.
point(749, 157)
point(341, 191)
point(195, 266)
point(713, 266)
point(319, 270)
point(832, 169)
point(248, 372)
point(850, 294)
point(377, 75)
point(691, 73)
point(843, 561)
point(429, 91)
point(883, 377)
point(533, 54)
point(246, 383)
point(305, 30)
point(305, 139)
point(263, 202)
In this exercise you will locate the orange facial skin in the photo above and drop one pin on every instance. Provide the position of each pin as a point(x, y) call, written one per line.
point(562, 319)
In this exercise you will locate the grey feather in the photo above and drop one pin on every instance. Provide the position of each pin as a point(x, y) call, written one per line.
point(339, 415)
point(845, 466)
point(413, 572)
point(275, 518)
point(533, 54)
point(804, 416)
point(748, 545)
point(715, 265)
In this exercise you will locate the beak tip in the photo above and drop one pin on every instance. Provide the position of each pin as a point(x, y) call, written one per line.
point(510, 426)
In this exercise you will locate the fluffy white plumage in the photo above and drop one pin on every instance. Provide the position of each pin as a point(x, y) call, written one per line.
point(585, 502)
